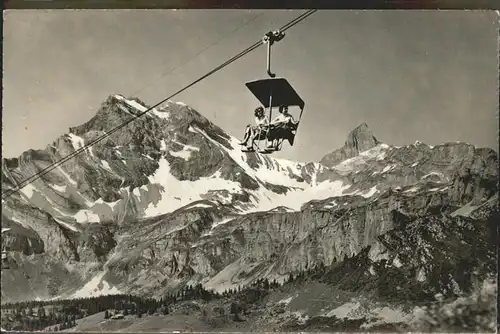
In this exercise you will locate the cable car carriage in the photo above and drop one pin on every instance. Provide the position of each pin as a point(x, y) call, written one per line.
point(275, 93)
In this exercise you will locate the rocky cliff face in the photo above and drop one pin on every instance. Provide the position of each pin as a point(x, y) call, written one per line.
point(170, 199)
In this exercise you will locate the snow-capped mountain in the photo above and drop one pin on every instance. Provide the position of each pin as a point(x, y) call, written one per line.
point(170, 199)
point(156, 165)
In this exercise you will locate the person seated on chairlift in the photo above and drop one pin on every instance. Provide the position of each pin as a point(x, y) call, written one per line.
point(254, 131)
point(283, 120)
point(284, 117)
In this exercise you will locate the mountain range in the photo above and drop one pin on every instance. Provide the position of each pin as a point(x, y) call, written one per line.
point(170, 200)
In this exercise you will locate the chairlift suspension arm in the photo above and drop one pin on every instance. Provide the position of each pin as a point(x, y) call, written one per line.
point(270, 38)
point(272, 75)
point(270, 106)
point(300, 116)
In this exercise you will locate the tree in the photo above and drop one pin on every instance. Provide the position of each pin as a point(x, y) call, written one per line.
point(206, 296)
point(266, 284)
point(39, 312)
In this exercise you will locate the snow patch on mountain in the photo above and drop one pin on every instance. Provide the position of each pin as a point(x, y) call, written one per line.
point(67, 225)
point(28, 190)
point(97, 286)
point(296, 198)
point(388, 168)
point(385, 315)
point(412, 189)
point(61, 189)
point(163, 145)
point(285, 301)
point(187, 147)
point(130, 102)
point(347, 310)
point(372, 191)
point(161, 114)
point(86, 216)
point(141, 108)
point(349, 165)
point(440, 176)
point(464, 211)
point(176, 194)
point(110, 204)
point(122, 108)
point(199, 205)
point(137, 191)
point(185, 153)
point(223, 280)
point(106, 165)
point(77, 141)
point(215, 225)
point(365, 193)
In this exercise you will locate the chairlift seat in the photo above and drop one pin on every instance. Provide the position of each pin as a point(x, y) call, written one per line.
point(273, 93)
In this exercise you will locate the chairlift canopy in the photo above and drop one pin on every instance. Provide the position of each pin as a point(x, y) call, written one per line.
point(282, 92)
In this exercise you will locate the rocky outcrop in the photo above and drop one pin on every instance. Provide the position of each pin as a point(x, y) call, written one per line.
point(360, 139)
point(422, 256)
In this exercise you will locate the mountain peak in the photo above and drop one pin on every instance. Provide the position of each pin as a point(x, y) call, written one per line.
point(362, 126)
point(118, 108)
point(358, 140)
point(361, 138)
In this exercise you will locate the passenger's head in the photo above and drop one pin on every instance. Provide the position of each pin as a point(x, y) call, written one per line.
point(259, 112)
point(283, 109)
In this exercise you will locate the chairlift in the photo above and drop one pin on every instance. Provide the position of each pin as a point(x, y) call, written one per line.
point(273, 93)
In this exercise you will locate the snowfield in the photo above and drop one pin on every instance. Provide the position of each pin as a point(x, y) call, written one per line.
point(176, 194)
point(97, 286)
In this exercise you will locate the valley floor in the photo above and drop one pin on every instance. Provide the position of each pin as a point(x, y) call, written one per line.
point(307, 306)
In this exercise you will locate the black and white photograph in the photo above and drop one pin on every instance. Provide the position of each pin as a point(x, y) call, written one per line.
point(250, 170)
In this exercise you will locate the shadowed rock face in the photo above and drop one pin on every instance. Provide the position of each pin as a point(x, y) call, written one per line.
point(360, 139)
point(169, 199)
point(269, 244)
